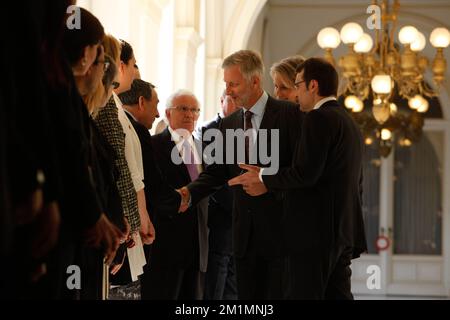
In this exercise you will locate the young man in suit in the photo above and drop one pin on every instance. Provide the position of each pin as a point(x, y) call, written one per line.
point(179, 256)
point(256, 221)
point(323, 222)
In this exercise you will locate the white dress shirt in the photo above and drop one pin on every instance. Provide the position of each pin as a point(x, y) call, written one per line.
point(179, 142)
point(133, 154)
point(258, 110)
point(322, 102)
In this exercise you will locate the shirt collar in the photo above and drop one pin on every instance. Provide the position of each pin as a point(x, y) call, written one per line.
point(258, 108)
point(324, 100)
point(130, 114)
point(117, 100)
point(176, 137)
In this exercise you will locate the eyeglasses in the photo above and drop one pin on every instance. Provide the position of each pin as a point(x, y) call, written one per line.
point(105, 64)
point(186, 109)
point(297, 84)
point(115, 85)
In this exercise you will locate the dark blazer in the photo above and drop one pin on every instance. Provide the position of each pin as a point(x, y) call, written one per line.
point(105, 175)
point(220, 208)
point(324, 183)
point(109, 125)
point(161, 198)
point(260, 215)
point(183, 237)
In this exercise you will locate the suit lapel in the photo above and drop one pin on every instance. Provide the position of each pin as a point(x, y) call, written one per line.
point(268, 123)
point(328, 104)
point(239, 120)
point(270, 115)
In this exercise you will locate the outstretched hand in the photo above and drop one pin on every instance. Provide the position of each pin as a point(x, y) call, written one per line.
point(250, 180)
point(185, 199)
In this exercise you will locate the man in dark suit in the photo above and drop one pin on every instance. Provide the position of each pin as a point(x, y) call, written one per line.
point(220, 283)
point(141, 107)
point(179, 255)
point(323, 223)
point(256, 221)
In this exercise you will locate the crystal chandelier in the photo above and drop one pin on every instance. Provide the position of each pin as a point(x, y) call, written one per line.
point(376, 74)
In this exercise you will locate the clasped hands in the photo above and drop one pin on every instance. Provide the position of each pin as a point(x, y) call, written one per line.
point(185, 199)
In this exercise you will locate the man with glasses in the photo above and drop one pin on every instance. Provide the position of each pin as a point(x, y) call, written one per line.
point(179, 256)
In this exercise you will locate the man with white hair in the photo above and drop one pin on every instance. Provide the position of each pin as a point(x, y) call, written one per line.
point(179, 257)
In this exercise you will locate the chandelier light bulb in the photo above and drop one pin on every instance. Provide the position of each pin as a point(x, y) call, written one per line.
point(365, 44)
point(354, 103)
point(351, 33)
point(386, 134)
point(407, 142)
point(440, 38)
point(368, 141)
point(376, 71)
point(424, 106)
point(408, 35)
point(394, 108)
point(420, 42)
point(416, 102)
point(328, 38)
point(382, 84)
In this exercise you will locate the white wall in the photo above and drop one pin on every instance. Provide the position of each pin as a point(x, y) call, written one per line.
point(165, 38)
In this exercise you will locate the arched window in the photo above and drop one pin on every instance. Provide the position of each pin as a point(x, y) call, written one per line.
point(417, 177)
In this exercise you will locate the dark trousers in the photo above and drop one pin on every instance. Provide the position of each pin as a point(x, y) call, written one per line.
point(259, 277)
point(317, 276)
point(220, 283)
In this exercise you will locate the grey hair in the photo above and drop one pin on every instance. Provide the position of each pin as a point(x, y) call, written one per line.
point(250, 63)
point(180, 93)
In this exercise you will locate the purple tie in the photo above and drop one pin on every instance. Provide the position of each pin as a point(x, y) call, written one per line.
point(189, 161)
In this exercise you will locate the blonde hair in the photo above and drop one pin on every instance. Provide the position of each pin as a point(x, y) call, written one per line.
point(112, 47)
point(112, 54)
point(250, 64)
point(287, 68)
